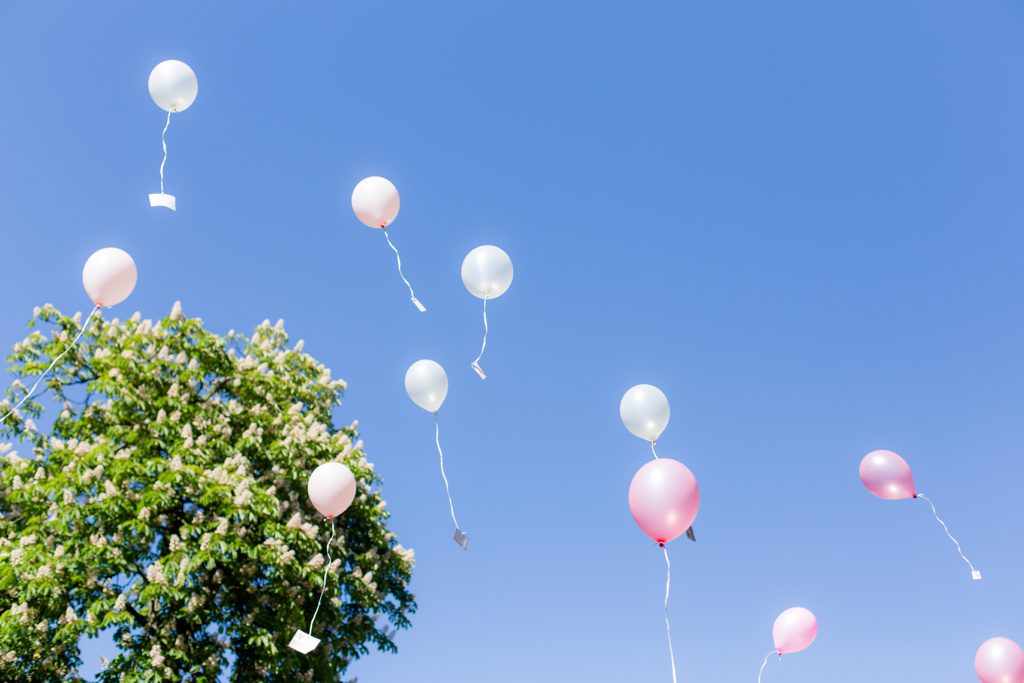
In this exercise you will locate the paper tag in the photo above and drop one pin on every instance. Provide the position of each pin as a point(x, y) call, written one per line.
point(161, 199)
point(976, 575)
point(690, 535)
point(479, 370)
point(423, 309)
point(303, 642)
point(461, 539)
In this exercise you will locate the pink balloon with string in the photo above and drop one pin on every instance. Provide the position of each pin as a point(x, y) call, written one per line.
point(999, 660)
point(887, 475)
point(664, 499)
point(109, 276)
point(794, 630)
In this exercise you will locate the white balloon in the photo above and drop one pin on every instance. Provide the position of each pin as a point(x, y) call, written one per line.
point(487, 272)
point(645, 412)
point(109, 276)
point(331, 488)
point(427, 384)
point(375, 201)
point(173, 85)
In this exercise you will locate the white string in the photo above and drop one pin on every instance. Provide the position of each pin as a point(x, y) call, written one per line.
point(163, 141)
point(476, 363)
point(437, 439)
point(326, 569)
point(765, 663)
point(52, 363)
point(654, 451)
point(668, 626)
point(974, 571)
point(398, 258)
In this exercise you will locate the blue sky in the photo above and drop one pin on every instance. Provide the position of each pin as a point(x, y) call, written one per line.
point(801, 220)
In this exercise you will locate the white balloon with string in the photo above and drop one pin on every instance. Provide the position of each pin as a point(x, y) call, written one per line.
point(331, 489)
point(173, 87)
point(109, 276)
point(375, 202)
point(426, 382)
point(487, 274)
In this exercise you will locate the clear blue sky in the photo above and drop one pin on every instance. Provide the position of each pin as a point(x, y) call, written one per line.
point(802, 220)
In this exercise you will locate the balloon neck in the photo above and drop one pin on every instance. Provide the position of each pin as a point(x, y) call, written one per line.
point(661, 544)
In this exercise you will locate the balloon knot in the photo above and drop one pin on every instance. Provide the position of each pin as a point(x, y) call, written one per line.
point(661, 544)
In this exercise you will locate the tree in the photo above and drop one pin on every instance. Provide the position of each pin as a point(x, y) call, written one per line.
point(167, 503)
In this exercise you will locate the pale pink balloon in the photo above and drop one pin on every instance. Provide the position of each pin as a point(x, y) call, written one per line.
point(887, 475)
point(375, 201)
point(794, 630)
point(331, 488)
point(664, 499)
point(109, 276)
point(999, 660)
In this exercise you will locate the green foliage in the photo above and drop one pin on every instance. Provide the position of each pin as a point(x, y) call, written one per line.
point(168, 502)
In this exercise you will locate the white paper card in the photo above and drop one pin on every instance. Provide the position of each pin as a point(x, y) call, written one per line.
point(461, 539)
point(479, 370)
point(161, 199)
point(303, 642)
point(423, 309)
point(976, 575)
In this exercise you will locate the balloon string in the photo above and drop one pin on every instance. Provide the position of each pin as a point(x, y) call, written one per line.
point(974, 572)
point(437, 439)
point(654, 451)
point(163, 141)
point(765, 663)
point(398, 258)
point(668, 625)
point(52, 363)
point(327, 568)
point(476, 363)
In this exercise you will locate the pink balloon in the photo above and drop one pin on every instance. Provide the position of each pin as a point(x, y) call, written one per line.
point(109, 276)
point(887, 475)
point(664, 499)
point(331, 488)
point(375, 202)
point(794, 630)
point(999, 660)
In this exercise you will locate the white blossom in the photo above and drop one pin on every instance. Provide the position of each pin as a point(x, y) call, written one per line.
point(156, 656)
point(155, 574)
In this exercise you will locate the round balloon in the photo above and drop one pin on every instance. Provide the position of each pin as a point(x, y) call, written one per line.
point(664, 499)
point(487, 272)
point(331, 488)
point(794, 630)
point(999, 660)
point(109, 276)
point(645, 412)
point(173, 85)
point(427, 384)
point(375, 201)
point(887, 475)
